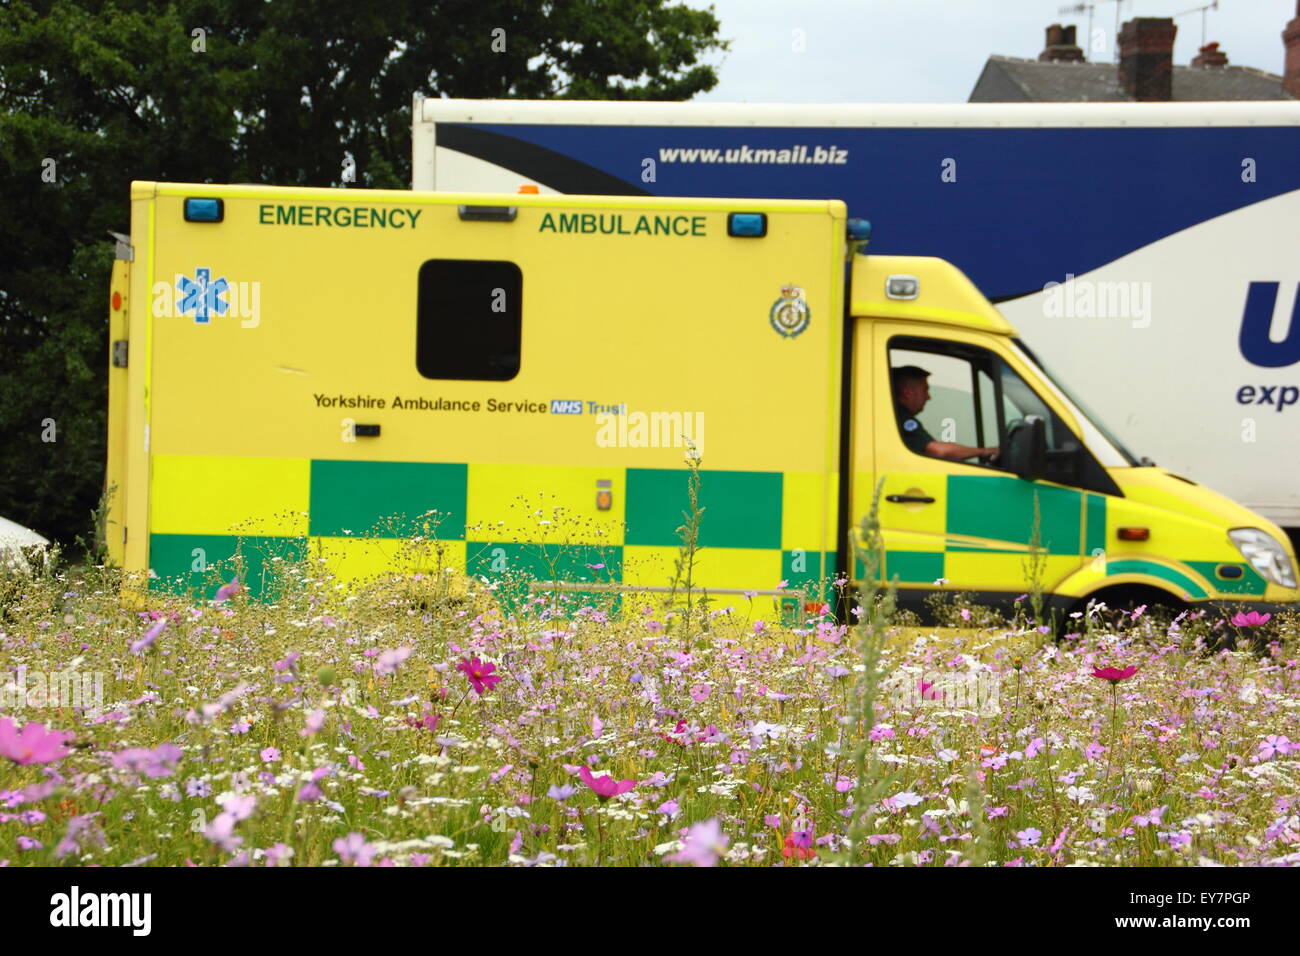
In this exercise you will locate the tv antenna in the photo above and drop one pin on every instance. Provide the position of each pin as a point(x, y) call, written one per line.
point(1203, 11)
point(1089, 8)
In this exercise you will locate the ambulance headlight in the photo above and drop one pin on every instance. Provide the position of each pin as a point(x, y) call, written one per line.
point(1265, 555)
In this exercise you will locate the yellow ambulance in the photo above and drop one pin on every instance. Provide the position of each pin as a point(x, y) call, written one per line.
point(325, 372)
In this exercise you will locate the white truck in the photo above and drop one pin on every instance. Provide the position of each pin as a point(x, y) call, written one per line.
point(1149, 253)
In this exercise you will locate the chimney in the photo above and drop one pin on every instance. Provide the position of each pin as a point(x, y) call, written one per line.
point(1291, 40)
point(1060, 46)
point(1146, 58)
point(1210, 56)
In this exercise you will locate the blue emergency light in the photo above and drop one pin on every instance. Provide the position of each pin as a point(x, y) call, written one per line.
point(859, 230)
point(747, 224)
point(204, 210)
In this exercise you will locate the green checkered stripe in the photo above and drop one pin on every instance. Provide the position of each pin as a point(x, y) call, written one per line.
point(392, 500)
point(1000, 509)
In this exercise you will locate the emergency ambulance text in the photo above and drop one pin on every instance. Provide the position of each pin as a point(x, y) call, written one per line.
point(360, 217)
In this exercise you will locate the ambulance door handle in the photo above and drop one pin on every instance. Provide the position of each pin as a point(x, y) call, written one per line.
point(365, 431)
point(909, 499)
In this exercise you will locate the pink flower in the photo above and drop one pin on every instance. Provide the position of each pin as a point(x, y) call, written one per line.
point(1275, 745)
point(479, 674)
point(1250, 619)
point(604, 786)
point(700, 693)
point(1114, 674)
point(389, 661)
point(35, 743)
point(313, 724)
point(226, 591)
point(270, 755)
point(703, 844)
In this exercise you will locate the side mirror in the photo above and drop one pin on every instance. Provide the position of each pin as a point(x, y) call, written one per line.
point(1026, 448)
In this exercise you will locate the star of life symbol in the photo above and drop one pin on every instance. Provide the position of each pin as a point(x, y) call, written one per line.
point(202, 295)
point(790, 314)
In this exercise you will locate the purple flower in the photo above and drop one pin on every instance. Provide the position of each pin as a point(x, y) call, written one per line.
point(287, 663)
point(29, 843)
point(1029, 837)
point(159, 762)
point(1150, 819)
point(270, 755)
point(195, 787)
point(1034, 747)
point(226, 591)
point(151, 635)
point(561, 793)
point(353, 849)
point(668, 808)
point(309, 792)
point(703, 844)
point(278, 855)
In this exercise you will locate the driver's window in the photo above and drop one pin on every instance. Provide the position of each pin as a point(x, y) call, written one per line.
point(957, 407)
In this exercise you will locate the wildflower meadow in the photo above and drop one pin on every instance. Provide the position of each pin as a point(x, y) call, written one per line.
point(438, 720)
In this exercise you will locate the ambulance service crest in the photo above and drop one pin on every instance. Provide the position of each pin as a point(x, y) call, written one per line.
point(790, 314)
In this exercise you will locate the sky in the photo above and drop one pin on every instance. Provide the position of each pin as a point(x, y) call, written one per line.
point(933, 51)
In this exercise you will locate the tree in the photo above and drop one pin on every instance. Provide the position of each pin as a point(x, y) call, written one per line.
point(96, 94)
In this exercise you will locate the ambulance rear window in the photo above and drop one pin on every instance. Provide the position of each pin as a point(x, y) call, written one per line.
point(468, 319)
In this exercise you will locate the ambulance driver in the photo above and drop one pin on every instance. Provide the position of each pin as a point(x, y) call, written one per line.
point(911, 392)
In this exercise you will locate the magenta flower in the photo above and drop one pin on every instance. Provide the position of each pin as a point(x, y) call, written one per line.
point(35, 743)
point(226, 591)
point(1114, 674)
point(604, 786)
point(479, 674)
point(703, 844)
point(1250, 619)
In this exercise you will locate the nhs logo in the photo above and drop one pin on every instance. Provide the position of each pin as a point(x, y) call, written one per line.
point(1256, 345)
point(566, 406)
